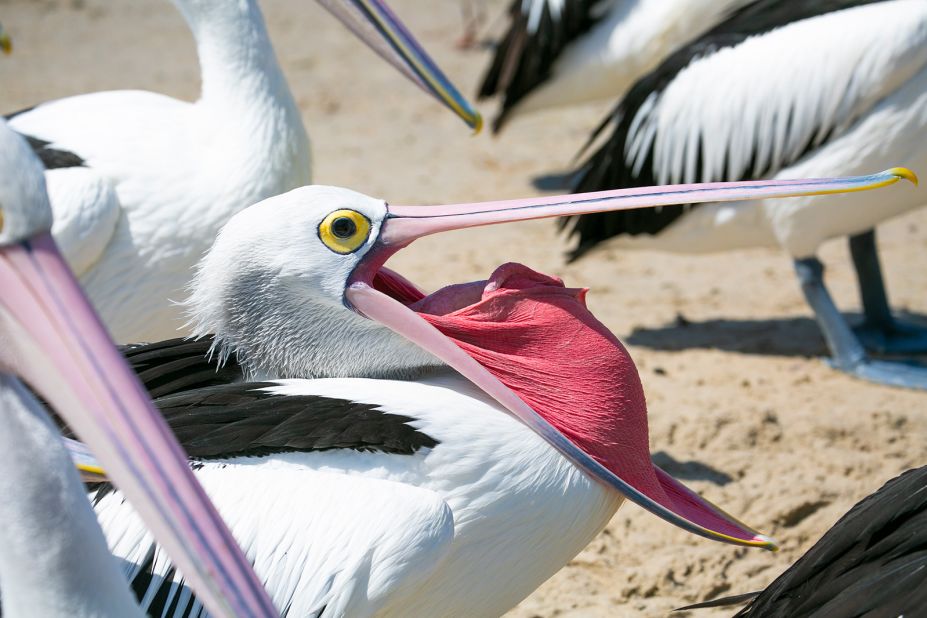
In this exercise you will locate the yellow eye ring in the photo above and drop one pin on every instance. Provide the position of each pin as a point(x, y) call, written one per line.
point(344, 231)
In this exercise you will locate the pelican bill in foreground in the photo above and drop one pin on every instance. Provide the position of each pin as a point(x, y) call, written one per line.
point(466, 443)
point(52, 551)
point(781, 96)
point(140, 183)
point(53, 560)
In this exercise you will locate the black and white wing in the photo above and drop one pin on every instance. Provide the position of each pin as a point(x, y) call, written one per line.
point(326, 541)
point(752, 96)
point(539, 32)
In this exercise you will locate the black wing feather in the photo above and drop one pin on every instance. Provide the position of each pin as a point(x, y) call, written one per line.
point(51, 158)
point(178, 365)
point(242, 420)
point(608, 168)
point(873, 562)
point(524, 60)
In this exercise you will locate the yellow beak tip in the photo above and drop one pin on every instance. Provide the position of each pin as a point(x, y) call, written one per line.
point(765, 542)
point(905, 173)
point(477, 123)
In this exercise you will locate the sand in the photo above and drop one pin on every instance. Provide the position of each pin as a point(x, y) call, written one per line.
point(741, 405)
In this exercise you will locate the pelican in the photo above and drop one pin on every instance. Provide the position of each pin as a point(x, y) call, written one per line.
point(53, 558)
point(466, 444)
point(781, 100)
point(566, 52)
point(870, 563)
point(141, 183)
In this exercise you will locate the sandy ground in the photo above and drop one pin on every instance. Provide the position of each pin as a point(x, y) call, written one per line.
point(741, 405)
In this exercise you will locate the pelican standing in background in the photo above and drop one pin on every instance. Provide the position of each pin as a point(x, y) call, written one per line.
point(464, 444)
point(567, 52)
point(775, 91)
point(53, 559)
point(140, 183)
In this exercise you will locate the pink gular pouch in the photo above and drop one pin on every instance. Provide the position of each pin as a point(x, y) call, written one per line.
point(533, 346)
point(538, 338)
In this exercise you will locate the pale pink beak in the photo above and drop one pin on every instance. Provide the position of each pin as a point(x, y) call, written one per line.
point(52, 339)
point(404, 224)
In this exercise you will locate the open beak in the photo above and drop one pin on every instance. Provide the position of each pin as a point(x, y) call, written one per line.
point(661, 494)
point(52, 339)
point(374, 23)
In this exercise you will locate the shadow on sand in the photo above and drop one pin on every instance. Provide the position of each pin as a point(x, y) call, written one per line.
point(797, 336)
point(690, 470)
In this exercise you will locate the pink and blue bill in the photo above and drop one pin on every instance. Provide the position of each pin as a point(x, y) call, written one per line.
point(53, 340)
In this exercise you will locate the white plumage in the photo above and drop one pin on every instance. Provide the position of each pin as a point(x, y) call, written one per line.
point(766, 108)
point(53, 557)
point(630, 39)
point(52, 551)
point(469, 527)
point(162, 175)
point(548, 59)
point(776, 92)
point(366, 474)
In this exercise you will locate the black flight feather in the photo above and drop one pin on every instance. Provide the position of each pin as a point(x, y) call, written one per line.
point(242, 420)
point(51, 158)
point(178, 365)
point(872, 563)
point(524, 59)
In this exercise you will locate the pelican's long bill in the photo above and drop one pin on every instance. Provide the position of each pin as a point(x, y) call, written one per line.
point(51, 337)
point(374, 23)
point(459, 325)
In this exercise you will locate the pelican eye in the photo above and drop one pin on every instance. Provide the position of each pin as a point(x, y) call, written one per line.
point(344, 227)
point(344, 231)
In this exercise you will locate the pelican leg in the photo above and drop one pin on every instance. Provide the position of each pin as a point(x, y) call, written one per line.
point(847, 353)
point(880, 332)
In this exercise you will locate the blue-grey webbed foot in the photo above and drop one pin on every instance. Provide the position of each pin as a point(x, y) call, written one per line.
point(847, 352)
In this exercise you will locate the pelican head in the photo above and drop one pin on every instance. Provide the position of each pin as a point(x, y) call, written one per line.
point(51, 338)
point(296, 285)
point(275, 293)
